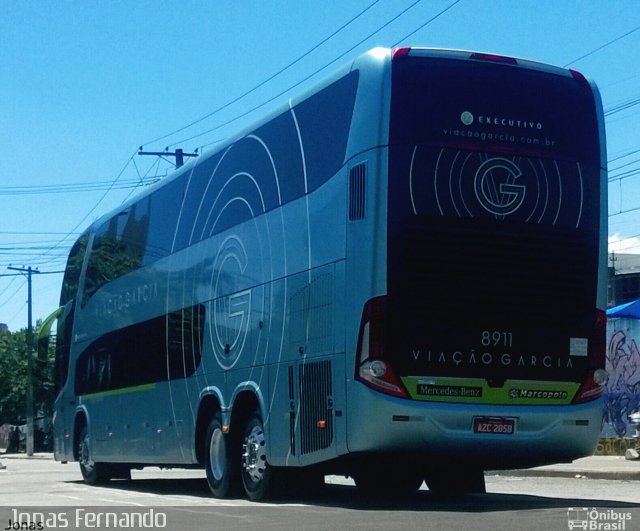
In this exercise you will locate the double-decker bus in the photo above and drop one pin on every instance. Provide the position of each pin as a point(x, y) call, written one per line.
point(398, 276)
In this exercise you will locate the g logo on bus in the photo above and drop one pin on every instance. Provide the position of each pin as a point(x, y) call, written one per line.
point(230, 312)
point(495, 186)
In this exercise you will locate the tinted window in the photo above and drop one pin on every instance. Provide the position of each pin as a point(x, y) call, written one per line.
point(491, 106)
point(71, 280)
point(493, 219)
point(118, 248)
point(166, 347)
point(135, 237)
point(258, 173)
point(161, 210)
point(325, 122)
point(266, 169)
point(63, 345)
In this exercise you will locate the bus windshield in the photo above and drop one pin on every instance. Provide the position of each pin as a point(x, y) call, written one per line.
point(493, 225)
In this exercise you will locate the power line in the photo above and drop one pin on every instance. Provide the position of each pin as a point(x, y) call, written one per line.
point(77, 187)
point(426, 23)
point(92, 210)
point(262, 83)
point(306, 78)
point(55, 252)
point(603, 46)
point(624, 175)
point(619, 173)
point(155, 165)
point(622, 106)
point(22, 270)
point(627, 211)
point(9, 284)
point(624, 155)
point(619, 81)
point(636, 161)
point(178, 154)
point(20, 309)
point(32, 233)
point(117, 184)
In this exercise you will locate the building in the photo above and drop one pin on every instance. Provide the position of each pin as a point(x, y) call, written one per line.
point(624, 278)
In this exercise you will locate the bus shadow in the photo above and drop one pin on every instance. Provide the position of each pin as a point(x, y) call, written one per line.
point(347, 497)
point(342, 496)
point(196, 487)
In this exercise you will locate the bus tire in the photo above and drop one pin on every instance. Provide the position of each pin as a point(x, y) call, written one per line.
point(217, 459)
point(93, 473)
point(258, 477)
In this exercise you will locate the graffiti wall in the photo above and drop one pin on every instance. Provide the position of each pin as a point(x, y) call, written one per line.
point(623, 365)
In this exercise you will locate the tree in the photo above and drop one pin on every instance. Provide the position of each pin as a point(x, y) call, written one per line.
point(13, 379)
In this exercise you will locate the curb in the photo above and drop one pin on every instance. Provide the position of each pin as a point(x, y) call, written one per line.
point(626, 475)
point(38, 456)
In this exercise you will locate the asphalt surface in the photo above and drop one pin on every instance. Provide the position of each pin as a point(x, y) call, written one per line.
point(594, 467)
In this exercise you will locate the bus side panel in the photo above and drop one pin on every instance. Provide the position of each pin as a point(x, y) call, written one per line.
point(366, 264)
point(302, 321)
point(307, 392)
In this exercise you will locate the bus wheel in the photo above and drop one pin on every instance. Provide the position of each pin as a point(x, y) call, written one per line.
point(218, 459)
point(92, 472)
point(257, 474)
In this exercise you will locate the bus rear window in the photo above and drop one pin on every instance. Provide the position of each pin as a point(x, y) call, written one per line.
point(493, 107)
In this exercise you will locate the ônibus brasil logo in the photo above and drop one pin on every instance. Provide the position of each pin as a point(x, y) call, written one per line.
point(597, 519)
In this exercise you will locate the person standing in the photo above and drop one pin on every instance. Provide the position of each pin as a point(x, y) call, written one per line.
point(14, 441)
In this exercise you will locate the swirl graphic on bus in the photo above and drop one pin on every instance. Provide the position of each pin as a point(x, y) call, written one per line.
point(234, 212)
point(230, 315)
point(473, 184)
point(496, 188)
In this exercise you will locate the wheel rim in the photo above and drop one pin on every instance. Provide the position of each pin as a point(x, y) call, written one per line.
point(86, 461)
point(217, 455)
point(254, 455)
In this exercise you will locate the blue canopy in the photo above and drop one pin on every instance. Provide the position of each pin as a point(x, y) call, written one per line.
point(629, 309)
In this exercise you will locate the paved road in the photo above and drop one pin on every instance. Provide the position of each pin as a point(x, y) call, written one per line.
point(182, 499)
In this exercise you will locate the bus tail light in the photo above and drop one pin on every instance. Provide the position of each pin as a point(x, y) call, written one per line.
point(493, 57)
point(401, 52)
point(372, 368)
point(597, 376)
point(577, 75)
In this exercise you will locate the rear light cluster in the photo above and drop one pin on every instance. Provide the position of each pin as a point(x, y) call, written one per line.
point(478, 56)
point(597, 376)
point(400, 52)
point(372, 368)
point(494, 58)
point(577, 75)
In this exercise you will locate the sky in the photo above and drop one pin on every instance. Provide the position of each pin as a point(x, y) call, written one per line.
point(84, 84)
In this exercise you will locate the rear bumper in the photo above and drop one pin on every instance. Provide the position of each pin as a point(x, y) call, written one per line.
point(437, 431)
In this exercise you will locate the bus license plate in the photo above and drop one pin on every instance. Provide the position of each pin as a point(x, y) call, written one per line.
point(494, 425)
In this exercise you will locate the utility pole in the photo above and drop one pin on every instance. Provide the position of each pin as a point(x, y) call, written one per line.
point(30, 351)
point(179, 154)
point(614, 290)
